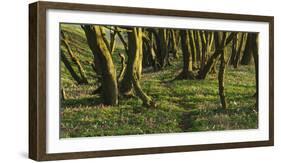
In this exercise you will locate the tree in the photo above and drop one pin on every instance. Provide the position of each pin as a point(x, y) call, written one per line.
point(75, 60)
point(256, 61)
point(248, 52)
point(68, 66)
point(212, 59)
point(239, 50)
point(221, 40)
point(133, 70)
point(193, 46)
point(173, 42)
point(186, 72)
point(101, 52)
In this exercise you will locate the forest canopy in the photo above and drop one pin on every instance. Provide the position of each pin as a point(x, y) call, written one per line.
point(120, 80)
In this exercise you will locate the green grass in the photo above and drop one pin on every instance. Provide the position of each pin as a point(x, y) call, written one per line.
point(182, 106)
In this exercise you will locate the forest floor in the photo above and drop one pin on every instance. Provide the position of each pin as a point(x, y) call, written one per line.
point(181, 105)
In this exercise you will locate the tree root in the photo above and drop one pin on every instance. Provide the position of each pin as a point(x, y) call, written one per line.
point(186, 75)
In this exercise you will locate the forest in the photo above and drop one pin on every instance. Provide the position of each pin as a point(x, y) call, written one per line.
point(126, 80)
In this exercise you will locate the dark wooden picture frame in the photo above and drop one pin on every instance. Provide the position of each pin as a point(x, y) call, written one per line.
point(37, 79)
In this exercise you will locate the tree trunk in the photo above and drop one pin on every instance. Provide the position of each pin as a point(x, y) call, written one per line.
point(164, 52)
point(248, 52)
point(174, 42)
point(204, 35)
point(238, 52)
point(187, 58)
point(112, 41)
point(74, 59)
point(69, 68)
point(211, 61)
point(134, 66)
point(192, 46)
point(63, 96)
point(123, 66)
point(199, 47)
point(233, 50)
point(256, 61)
point(96, 42)
point(221, 72)
point(221, 81)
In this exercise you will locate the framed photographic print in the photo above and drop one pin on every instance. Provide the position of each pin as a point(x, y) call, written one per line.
point(112, 81)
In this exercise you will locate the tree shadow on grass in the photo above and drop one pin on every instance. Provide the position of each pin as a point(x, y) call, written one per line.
point(82, 102)
point(188, 118)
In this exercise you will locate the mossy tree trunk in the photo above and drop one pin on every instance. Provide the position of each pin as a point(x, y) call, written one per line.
point(68, 66)
point(136, 51)
point(198, 43)
point(134, 66)
point(222, 71)
point(112, 41)
point(74, 59)
point(187, 58)
point(123, 66)
point(96, 42)
point(152, 51)
point(192, 45)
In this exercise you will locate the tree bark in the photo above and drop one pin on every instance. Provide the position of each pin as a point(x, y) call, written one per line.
point(222, 72)
point(256, 61)
point(204, 35)
point(187, 58)
point(221, 80)
point(211, 61)
point(174, 43)
point(96, 42)
point(238, 52)
point(123, 66)
point(74, 59)
point(69, 68)
point(112, 41)
point(164, 52)
point(134, 65)
point(192, 45)
point(233, 50)
point(247, 57)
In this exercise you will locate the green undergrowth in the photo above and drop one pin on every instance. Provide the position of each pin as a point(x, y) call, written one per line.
point(181, 105)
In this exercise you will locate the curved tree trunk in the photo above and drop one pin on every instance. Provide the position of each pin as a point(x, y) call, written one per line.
point(212, 60)
point(134, 66)
point(70, 69)
point(96, 42)
point(123, 66)
point(74, 59)
point(221, 81)
point(135, 38)
point(222, 72)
